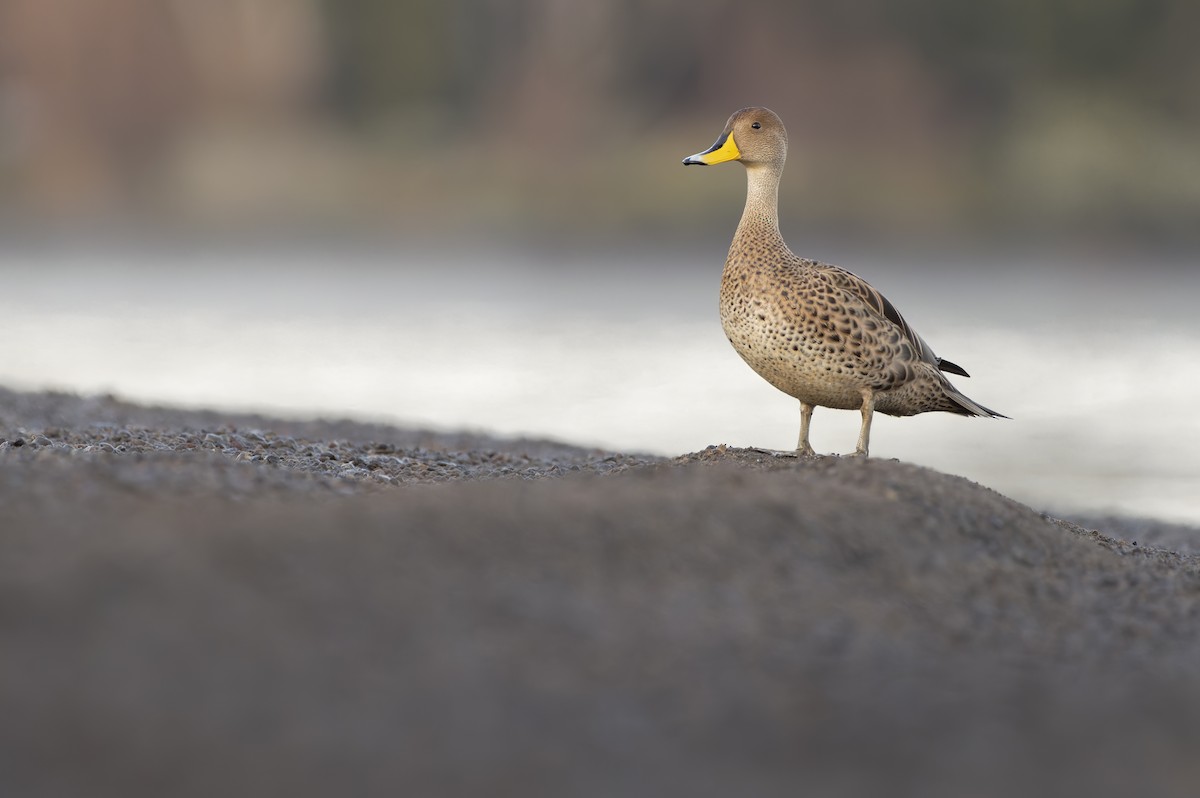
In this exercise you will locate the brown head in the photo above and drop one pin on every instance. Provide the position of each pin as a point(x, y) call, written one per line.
point(754, 136)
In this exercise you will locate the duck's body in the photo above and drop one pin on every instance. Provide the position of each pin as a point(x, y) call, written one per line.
point(814, 331)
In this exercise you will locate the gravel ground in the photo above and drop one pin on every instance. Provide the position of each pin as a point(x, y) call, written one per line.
point(195, 603)
point(159, 447)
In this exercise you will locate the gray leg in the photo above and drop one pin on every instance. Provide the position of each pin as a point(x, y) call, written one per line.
point(803, 446)
point(864, 434)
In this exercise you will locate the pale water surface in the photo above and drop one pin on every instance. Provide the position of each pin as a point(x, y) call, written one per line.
point(1097, 363)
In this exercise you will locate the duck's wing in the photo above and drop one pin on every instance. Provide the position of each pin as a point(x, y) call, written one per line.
point(876, 302)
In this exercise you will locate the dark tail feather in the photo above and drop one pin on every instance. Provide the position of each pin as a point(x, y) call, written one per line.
point(970, 407)
point(952, 368)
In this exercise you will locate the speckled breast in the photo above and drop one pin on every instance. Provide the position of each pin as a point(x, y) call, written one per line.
point(775, 323)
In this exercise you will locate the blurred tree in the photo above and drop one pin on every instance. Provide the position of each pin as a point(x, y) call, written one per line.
point(934, 100)
point(461, 54)
point(106, 89)
point(989, 50)
point(392, 54)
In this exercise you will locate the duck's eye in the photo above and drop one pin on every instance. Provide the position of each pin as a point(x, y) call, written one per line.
point(756, 125)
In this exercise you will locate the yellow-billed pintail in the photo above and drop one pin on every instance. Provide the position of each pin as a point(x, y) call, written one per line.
point(814, 331)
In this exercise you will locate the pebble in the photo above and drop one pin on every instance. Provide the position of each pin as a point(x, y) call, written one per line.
point(148, 444)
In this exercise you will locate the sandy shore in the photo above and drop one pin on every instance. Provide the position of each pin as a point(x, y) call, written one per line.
point(197, 603)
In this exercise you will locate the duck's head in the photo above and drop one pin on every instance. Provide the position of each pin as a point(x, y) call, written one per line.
point(755, 136)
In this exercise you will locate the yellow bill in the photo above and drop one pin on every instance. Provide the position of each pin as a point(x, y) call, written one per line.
point(725, 149)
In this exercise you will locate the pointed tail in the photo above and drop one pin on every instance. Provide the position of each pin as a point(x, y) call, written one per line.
point(967, 406)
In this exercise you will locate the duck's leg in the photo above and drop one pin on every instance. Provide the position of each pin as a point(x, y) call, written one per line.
point(802, 445)
point(864, 434)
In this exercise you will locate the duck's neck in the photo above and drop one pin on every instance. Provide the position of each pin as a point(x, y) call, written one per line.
point(761, 215)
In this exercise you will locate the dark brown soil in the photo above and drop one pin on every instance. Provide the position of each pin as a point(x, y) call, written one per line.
point(207, 604)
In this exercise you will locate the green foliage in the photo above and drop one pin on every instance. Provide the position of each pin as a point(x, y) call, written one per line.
point(390, 53)
point(393, 52)
point(988, 51)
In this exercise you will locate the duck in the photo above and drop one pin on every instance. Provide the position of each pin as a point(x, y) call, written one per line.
point(815, 331)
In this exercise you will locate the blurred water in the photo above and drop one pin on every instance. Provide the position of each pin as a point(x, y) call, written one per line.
point(1095, 360)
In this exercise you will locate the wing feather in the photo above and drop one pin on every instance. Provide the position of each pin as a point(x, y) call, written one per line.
point(885, 310)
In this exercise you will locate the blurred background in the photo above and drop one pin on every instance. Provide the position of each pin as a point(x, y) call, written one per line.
point(472, 213)
point(525, 118)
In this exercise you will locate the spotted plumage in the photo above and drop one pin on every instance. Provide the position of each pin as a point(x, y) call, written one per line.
point(815, 331)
